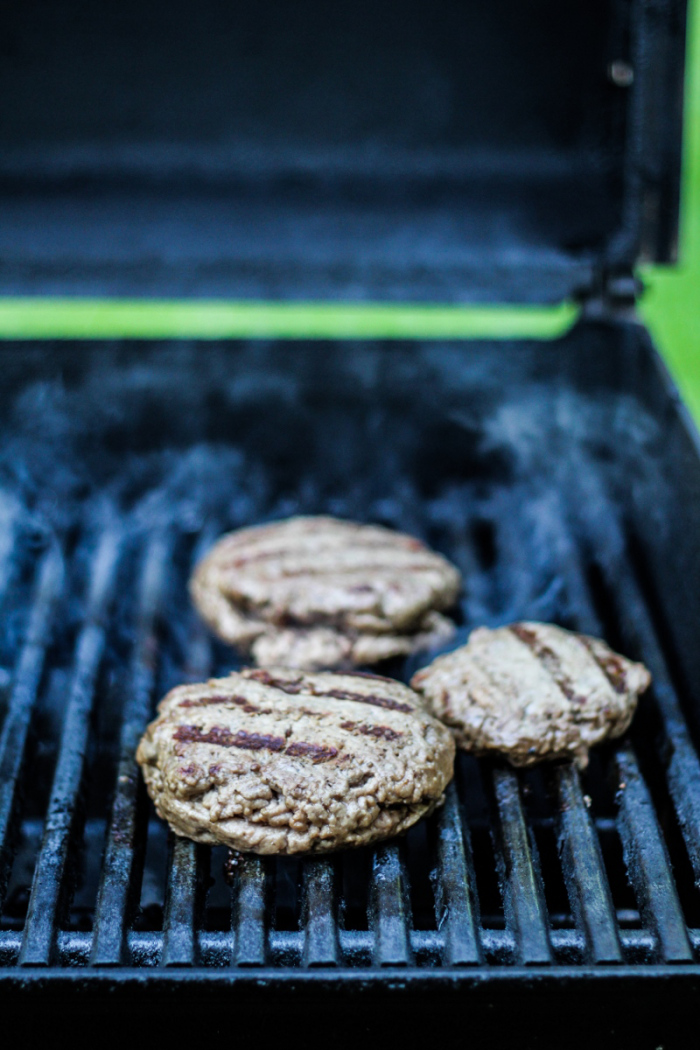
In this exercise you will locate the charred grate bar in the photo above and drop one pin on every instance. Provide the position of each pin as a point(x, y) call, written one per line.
point(544, 871)
point(61, 826)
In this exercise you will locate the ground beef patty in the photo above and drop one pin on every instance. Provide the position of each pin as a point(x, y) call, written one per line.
point(531, 691)
point(278, 761)
point(314, 592)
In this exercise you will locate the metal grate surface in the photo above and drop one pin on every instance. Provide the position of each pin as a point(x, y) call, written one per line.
point(544, 868)
point(544, 871)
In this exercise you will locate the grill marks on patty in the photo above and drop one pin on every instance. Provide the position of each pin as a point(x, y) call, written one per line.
point(220, 736)
point(309, 541)
point(380, 732)
point(368, 698)
point(293, 686)
point(271, 763)
point(316, 752)
point(298, 685)
point(550, 660)
point(239, 701)
point(613, 667)
point(334, 556)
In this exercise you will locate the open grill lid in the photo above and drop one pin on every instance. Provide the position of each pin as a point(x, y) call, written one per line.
point(407, 149)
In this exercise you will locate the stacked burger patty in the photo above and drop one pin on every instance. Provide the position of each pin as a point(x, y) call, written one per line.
point(316, 592)
point(279, 759)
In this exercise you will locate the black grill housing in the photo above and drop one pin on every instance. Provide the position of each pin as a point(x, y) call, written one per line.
point(490, 152)
point(556, 476)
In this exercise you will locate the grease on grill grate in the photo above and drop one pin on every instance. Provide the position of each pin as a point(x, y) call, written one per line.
point(539, 868)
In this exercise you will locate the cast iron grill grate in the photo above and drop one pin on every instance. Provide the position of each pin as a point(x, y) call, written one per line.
point(546, 868)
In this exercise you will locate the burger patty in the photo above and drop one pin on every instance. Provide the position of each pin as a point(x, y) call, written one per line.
point(279, 761)
point(317, 592)
point(318, 647)
point(531, 691)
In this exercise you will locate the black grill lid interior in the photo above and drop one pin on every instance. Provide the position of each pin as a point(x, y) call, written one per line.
point(421, 149)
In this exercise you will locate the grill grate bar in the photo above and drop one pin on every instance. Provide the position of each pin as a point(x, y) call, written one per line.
point(647, 861)
point(61, 818)
point(584, 873)
point(187, 860)
point(250, 911)
point(117, 888)
point(180, 920)
point(639, 635)
point(455, 890)
point(679, 757)
point(523, 895)
point(644, 851)
point(27, 678)
point(643, 846)
point(388, 915)
point(321, 936)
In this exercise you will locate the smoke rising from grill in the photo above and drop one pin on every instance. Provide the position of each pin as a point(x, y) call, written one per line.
point(460, 446)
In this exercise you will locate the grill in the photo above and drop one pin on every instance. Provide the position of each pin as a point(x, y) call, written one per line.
point(534, 880)
point(204, 150)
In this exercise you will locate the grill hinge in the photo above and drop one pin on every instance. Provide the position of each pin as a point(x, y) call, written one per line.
point(613, 296)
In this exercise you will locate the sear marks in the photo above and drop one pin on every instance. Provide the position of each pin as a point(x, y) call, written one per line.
point(222, 737)
point(316, 752)
point(531, 691)
point(369, 698)
point(282, 761)
point(614, 667)
point(549, 659)
point(381, 732)
point(206, 701)
point(295, 686)
point(314, 592)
